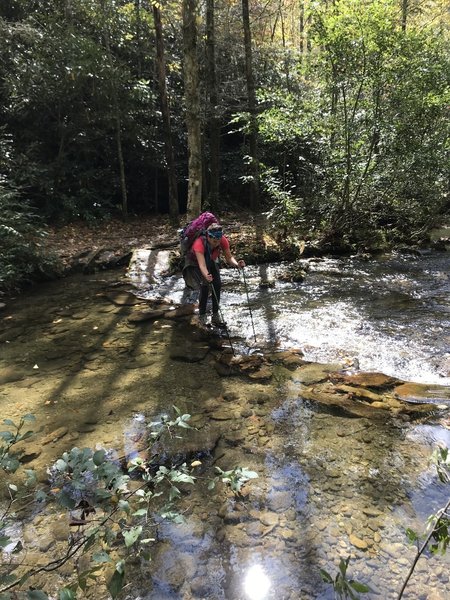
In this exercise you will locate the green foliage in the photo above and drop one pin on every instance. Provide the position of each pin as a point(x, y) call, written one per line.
point(9, 458)
point(342, 586)
point(94, 486)
point(437, 535)
point(235, 478)
point(441, 460)
point(21, 241)
point(361, 146)
point(439, 524)
point(83, 477)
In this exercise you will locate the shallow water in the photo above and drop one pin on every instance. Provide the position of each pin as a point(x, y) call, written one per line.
point(391, 314)
point(329, 486)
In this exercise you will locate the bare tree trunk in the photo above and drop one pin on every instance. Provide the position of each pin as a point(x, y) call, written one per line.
point(192, 98)
point(137, 8)
point(302, 27)
point(117, 116)
point(167, 130)
point(251, 99)
point(404, 14)
point(213, 120)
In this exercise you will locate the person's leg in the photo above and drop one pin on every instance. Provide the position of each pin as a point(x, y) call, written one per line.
point(217, 286)
point(203, 300)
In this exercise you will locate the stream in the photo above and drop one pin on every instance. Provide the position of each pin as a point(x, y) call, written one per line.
point(329, 486)
point(391, 314)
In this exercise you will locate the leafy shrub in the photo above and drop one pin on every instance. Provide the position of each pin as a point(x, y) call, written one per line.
point(22, 257)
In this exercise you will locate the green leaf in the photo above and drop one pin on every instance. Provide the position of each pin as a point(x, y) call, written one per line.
point(40, 496)
point(115, 585)
point(61, 465)
point(249, 474)
point(36, 595)
point(7, 579)
point(65, 500)
point(184, 425)
point(101, 557)
point(66, 594)
point(412, 535)
point(99, 457)
point(359, 587)
point(326, 576)
point(343, 565)
point(182, 478)
point(132, 535)
point(31, 479)
point(140, 513)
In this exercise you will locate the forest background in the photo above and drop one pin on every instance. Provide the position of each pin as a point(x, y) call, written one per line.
point(330, 117)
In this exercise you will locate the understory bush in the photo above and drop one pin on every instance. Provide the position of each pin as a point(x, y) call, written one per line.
point(22, 256)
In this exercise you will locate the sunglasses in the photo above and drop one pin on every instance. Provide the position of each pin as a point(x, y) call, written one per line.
point(216, 234)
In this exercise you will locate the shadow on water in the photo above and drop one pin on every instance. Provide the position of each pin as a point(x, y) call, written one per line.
point(329, 486)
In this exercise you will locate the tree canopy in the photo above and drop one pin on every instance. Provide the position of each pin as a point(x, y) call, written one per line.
point(335, 112)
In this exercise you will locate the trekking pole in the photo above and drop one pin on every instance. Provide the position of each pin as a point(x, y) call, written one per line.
point(222, 319)
point(248, 302)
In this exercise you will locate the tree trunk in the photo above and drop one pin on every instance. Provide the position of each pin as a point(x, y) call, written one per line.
point(192, 98)
point(251, 99)
point(117, 116)
point(213, 120)
point(137, 8)
point(404, 14)
point(167, 130)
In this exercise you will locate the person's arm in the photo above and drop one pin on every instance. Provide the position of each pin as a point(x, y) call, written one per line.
point(237, 264)
point(202, 266)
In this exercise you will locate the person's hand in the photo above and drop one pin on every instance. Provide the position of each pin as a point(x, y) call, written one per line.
point(209, 278)
point(241, 264)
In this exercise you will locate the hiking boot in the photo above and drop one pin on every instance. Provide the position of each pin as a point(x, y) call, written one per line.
point(202, 320)
point(217, 321)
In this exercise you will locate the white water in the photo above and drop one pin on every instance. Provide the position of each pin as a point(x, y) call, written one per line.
point(390, 315)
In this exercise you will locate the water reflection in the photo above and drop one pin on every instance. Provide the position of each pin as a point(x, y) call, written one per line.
point(256, 583)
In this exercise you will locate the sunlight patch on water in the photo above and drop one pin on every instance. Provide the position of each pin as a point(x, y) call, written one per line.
point(256, 583)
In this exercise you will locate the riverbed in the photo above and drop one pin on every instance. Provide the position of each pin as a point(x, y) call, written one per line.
point(329, 485)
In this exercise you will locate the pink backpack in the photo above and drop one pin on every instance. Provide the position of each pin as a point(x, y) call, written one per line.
point(194, 229)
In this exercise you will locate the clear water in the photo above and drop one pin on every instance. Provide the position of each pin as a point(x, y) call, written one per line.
point(325, 480)
point(391, 314)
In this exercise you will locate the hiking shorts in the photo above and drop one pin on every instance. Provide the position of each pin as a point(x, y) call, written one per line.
point(193, 279)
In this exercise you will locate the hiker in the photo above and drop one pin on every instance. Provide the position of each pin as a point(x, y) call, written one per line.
point(202, 269)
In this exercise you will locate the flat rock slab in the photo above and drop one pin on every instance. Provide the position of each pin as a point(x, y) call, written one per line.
point(314, 373)
point(370, 380)
point(123, 299)
point(418, 392)
point(187, 351)
point(151, 314)
point(181, 311)
point(146, 315)
point(346, 404)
